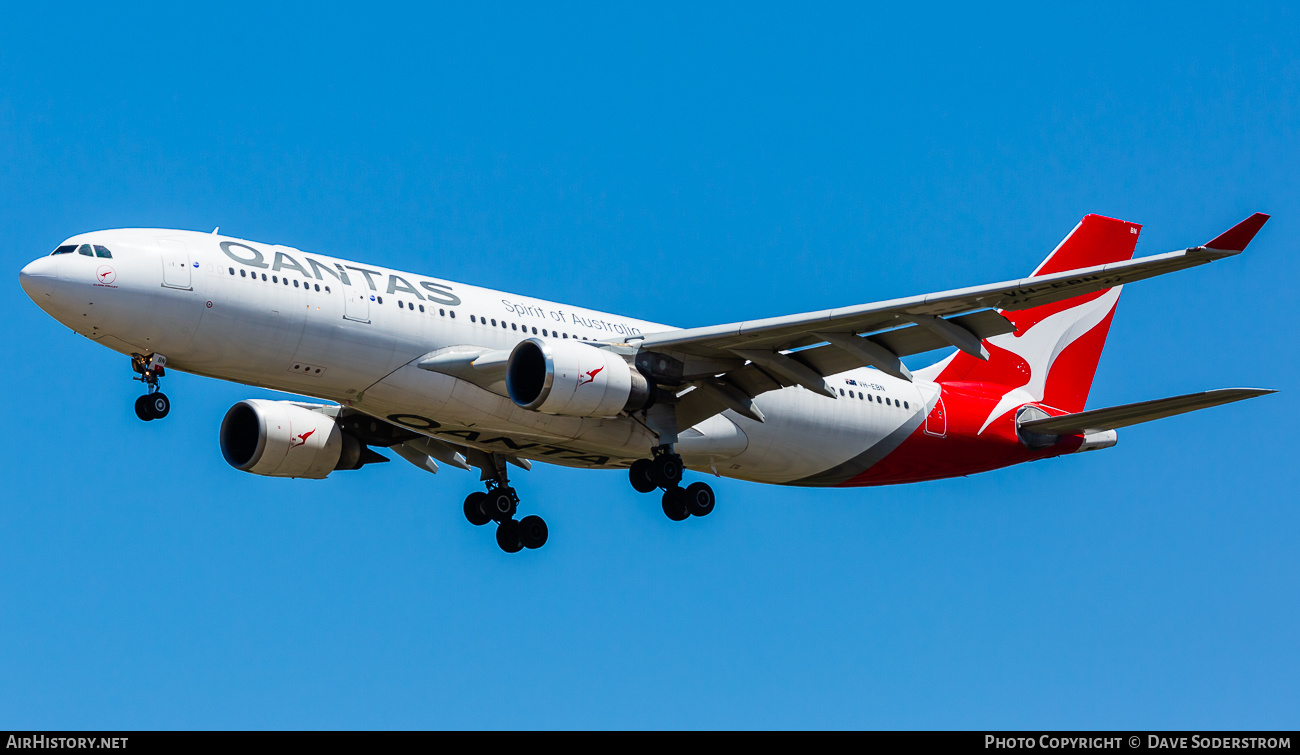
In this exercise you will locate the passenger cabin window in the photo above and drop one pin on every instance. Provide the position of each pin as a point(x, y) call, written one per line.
point(66, 249)
point(102, 251)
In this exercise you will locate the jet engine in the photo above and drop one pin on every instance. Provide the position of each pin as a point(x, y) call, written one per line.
point(574, 379)
point(283, 439)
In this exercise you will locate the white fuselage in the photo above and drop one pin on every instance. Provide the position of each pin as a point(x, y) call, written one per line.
point(314, 325)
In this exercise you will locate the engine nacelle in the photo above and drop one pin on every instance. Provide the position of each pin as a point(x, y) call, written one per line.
point(574, 379)
point(282, 439)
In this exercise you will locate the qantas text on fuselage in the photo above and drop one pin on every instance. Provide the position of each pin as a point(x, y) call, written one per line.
point(441, 373)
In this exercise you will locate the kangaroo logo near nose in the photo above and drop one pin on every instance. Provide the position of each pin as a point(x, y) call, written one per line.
point(105, 276)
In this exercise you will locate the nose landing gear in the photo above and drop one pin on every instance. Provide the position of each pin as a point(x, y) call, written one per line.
point(664, 470)
point(154, 404)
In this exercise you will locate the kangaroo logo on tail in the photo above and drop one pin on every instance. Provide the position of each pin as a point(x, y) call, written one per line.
point(1043, 342)
point(1053, 355)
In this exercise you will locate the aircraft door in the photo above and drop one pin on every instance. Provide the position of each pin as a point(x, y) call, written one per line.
point(356, 304)
point(936, 422)
point(176, 264)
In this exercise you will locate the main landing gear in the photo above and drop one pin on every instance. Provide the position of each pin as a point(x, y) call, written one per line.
point(499, 504)
point(154, 404)
point(664, 470)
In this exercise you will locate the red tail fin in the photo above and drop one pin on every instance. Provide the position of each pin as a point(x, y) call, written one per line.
point(1053, 355)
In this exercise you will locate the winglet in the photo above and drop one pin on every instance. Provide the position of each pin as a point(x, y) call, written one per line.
point(1237, 237)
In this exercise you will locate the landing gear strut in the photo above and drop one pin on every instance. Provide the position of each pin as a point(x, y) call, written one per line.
point(154, 404)
point(499, 504)
point(664, 470)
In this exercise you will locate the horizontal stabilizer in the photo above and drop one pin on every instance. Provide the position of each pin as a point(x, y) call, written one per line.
point(1114, 417)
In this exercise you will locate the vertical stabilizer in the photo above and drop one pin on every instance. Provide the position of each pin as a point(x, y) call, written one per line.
point(1053, 355)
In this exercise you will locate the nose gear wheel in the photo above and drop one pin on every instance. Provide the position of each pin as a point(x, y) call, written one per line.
point(154, 404)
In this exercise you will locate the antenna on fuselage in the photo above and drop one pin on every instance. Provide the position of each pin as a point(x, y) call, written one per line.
point(214, 230)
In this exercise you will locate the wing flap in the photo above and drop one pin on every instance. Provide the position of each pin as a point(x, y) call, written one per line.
point(832, 360)
point(1115, 417)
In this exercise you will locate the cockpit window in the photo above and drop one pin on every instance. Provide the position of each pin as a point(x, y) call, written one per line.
point(102, 251)
point(65, 249)
point(85, 249)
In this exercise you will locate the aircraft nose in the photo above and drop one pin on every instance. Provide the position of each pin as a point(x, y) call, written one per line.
point(38, 278)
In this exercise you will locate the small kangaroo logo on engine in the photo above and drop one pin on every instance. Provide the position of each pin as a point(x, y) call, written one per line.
point(301, 439)
point(588, 377)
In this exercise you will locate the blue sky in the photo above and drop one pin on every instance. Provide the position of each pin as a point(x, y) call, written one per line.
point(685, 164)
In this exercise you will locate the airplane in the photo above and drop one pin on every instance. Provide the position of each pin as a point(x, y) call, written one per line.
point(439, 372)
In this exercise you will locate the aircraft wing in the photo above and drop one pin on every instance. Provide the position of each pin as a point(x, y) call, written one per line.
point(731, 364)
point(1114, 417)
point(424, 451)
point(925, 311)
